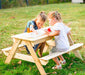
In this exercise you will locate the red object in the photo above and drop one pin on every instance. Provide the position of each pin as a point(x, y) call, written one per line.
point(49, 30)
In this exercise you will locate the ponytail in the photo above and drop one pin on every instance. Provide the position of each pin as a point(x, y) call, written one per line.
point(55, 14)
point(42, 16)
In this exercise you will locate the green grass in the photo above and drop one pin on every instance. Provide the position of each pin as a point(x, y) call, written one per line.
point(14, 20)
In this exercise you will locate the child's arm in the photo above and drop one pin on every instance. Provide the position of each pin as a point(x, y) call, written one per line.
point(69, 33)
point(56, 33)
point(68, 24)
point(31, 28)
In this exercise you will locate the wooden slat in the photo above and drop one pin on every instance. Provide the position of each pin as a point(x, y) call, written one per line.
point(25, 36)
point(26, 58)
point(51, 42)
point(21, 45)
point(70, 40)
point(41, 40)
point(73, 47)
point(9, 48)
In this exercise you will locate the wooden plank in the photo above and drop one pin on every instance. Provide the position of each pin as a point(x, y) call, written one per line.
point(73, 47)
point(9, 48)
point(41, 40)
point(70, 40)
point(25, 36)
point(45, 48)
point(35, 58)
point(21, 45)
point(49, 45)
point(51, 42)
point(12, 51)
point(26, 58)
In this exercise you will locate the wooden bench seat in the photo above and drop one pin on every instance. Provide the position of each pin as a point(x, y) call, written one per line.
point(20, 45)
point(9, 48)
point(74, 47)
point(26, 57)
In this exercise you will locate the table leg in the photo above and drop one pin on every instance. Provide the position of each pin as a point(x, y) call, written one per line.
point(34, 56)
point(12, 51)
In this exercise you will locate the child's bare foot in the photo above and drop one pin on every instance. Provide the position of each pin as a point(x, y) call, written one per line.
point(57, 67)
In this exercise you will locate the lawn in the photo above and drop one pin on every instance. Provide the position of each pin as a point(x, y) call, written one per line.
point(14, 20)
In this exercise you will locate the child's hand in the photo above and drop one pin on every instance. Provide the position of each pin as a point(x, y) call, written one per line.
point(35, 31)
point(31, 28)
point(47, 32)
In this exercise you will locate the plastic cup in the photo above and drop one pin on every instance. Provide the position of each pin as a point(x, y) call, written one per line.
point(28, 30)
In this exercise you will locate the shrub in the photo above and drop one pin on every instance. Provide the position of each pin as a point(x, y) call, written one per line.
point(16, 3)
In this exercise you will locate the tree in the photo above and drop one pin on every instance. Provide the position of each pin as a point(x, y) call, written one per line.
point(0, 4)
point(21, 2)
point(42, 1)
point(27, 2)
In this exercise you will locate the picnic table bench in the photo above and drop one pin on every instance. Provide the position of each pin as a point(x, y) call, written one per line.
point(29, 41)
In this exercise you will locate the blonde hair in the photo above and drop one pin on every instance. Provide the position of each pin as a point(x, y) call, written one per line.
point(42, 16)
point(54, 14)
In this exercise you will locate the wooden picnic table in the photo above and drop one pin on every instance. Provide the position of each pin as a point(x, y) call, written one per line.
point(24, 37)
point(29, 39)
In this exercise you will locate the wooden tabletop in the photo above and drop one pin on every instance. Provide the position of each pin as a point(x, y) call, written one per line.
point(25, 36)
point(32, 36)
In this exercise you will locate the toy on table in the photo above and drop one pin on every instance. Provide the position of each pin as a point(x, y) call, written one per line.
point(49, 30)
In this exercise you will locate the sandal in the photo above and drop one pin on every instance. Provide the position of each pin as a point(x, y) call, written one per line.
point(57, 67)
point(63, 62)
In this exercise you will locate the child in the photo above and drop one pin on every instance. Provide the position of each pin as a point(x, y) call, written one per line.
point(59, 31)
point(34, 25)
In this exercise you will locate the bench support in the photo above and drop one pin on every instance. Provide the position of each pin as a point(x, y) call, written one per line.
point(12, 51)
point(34, 58)
point(77, 54)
